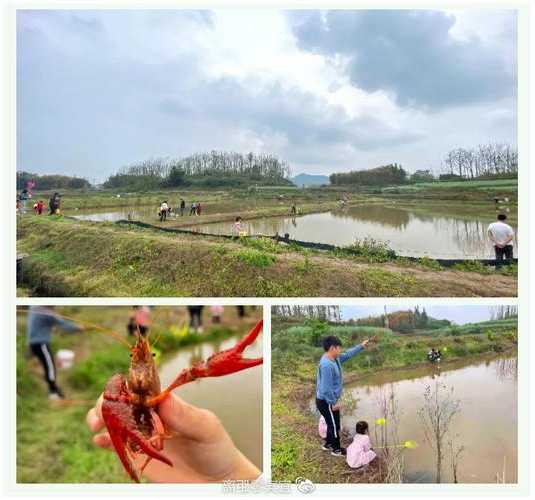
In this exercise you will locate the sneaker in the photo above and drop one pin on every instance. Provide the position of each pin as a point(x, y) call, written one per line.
point(57, 394)
point(339, 453)
point(326, 447)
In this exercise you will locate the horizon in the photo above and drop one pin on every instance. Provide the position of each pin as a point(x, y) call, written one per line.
point(99, 90)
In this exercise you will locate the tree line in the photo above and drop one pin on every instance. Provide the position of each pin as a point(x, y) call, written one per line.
point(323, 313)
point(380, 176)
point(216, 168)
point(404, 321)
point(486, 160)
point(43, 182)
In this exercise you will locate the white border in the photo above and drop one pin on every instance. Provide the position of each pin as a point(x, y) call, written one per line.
point(8, 285)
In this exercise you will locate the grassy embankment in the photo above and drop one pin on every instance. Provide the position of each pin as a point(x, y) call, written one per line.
point(295, 353)
point(75, 258)
point(54, 445)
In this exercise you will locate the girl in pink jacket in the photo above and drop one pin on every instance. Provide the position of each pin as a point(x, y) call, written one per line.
point(359, 452)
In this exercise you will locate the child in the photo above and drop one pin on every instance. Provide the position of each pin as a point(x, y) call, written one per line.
point(216, 311)
point(237, 227)
point(359, 452)
point(139, 318)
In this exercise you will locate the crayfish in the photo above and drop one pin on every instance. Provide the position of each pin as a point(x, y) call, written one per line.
point(130, 402)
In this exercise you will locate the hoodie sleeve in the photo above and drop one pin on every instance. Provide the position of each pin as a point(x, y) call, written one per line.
point(350, 353)
point(326, 382)
point(68, 326)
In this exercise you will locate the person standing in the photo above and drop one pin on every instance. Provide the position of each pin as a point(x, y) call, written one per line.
point(24, 196)
point(164, 207)
point(139, 320)
point(41, 321)
point(193, 210)
point(40, 205)
point(195, 322)
point(501, 235)
point(329, 388)
point(182, 207)
point(54, 204)
point(237, 229)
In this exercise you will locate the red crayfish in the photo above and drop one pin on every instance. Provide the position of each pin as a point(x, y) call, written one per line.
point(130, 402)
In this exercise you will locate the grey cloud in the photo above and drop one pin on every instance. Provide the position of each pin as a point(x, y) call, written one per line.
point(301, 117)
point(411, 54)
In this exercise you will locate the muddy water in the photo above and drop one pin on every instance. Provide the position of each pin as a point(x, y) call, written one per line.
point(236, 399)
point(149, 213)
point(407, 232)
point(486, 424)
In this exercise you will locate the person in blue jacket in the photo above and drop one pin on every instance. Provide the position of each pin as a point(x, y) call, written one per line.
point(329, 388)
point(41, 321)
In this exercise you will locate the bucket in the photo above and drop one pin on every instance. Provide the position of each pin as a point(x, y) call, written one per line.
point(65, 359)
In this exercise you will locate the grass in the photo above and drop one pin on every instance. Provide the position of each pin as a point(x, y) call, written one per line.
point(54, 445)
point(295, 353)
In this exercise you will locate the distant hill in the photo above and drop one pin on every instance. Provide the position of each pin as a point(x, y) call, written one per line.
point(310, 180)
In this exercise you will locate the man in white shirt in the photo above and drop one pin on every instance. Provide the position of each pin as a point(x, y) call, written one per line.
point(501, 235)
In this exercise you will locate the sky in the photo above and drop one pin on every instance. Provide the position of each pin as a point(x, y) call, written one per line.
point(458, 314)
point(326, 91)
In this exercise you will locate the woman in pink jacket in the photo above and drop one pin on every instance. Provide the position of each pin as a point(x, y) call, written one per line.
point(359, 452)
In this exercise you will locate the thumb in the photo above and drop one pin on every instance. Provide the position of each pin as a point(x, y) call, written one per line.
point(190, 421)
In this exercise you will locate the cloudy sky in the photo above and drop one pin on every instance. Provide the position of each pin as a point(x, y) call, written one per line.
point(458, 314)
point(326, 91)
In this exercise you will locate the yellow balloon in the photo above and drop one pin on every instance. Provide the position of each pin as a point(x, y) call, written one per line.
point(380, 421)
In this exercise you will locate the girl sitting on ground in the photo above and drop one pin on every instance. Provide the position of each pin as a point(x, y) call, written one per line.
point(359, 452)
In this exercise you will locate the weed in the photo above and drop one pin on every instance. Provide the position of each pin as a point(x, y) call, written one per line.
point(473, 267)
point(255, 258)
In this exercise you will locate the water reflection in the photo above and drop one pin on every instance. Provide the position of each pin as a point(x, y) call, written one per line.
point(408, 233)
point(486, 424)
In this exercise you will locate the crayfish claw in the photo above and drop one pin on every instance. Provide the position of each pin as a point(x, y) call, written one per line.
point(249, 338)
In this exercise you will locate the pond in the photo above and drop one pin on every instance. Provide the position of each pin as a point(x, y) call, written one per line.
point(407, 232)
point(149, 213)
point(486, 424)
point(236, 399)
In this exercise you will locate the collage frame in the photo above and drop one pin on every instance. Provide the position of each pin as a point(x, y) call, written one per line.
point(524, 299)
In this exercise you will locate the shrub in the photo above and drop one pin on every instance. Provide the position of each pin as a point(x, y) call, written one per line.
point(370, 248)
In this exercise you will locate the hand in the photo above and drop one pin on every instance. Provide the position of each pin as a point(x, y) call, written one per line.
point(201, 449)
point(365, 342)
point(336, 406)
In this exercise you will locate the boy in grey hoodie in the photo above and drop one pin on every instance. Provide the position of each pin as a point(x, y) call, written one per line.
point(329, 388)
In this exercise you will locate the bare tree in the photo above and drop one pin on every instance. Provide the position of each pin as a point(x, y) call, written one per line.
point(436, 415)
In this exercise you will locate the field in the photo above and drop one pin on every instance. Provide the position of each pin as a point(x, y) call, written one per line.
point(295, 353)
point(68, 257)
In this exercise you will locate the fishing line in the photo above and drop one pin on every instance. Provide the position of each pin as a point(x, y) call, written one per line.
point(108, 331)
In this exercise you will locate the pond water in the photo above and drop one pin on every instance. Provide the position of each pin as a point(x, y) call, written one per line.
point(149, 213)
point(486, 424)
point(236, 399)
point(406, 231)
